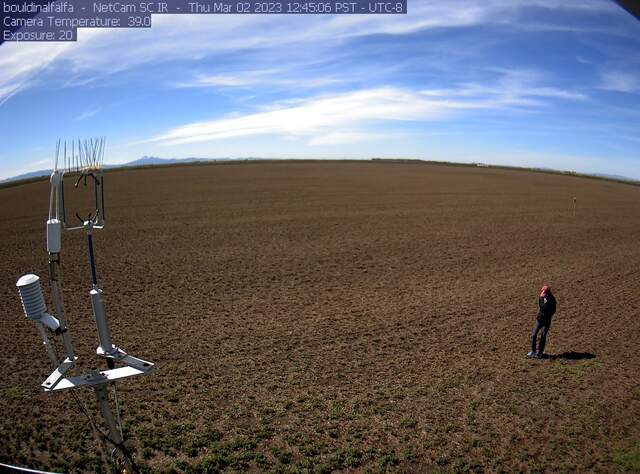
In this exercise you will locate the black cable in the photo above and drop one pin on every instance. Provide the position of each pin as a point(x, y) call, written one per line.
point(120, 446)
point(92, 262)
point(101, 436)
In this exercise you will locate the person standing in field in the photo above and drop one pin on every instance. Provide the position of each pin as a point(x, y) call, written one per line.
point(547, 308)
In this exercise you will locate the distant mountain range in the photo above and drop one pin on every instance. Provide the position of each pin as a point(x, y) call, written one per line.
point(33, 174)
point(144, 161)
point(155, 161)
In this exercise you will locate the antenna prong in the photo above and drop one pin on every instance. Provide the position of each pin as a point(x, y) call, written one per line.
point(55, 166)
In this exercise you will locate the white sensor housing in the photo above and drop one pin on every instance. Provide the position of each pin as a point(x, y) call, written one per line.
point(54, 235)
point(33, 301)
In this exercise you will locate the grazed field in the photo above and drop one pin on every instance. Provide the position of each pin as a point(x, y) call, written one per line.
point(323, 316)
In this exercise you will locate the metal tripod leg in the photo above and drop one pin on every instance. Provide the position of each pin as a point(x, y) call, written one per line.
point(103, 402)
point(47, 345)
point(58, 303)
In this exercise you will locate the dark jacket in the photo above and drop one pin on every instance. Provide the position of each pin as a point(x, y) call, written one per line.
point(547, 304)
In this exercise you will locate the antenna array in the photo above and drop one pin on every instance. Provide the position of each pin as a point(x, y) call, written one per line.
point(80, 156)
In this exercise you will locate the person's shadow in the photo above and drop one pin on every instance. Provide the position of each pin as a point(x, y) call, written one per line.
point(573, 356)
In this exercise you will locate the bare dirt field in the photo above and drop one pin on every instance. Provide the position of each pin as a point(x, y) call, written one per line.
point(310, 317)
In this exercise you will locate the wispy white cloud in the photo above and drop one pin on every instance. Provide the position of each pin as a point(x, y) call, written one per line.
point(511, 87)
point(22, 62)
point(19, 62)
point(620, 81)
point(505, 96)
point(101, 52)
point(88, 114)
point(323, 119)
point(315, 116)
point(266, 77)
point(239, 79)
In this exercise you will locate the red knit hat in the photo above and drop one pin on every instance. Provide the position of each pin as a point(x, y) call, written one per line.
point(543, 291)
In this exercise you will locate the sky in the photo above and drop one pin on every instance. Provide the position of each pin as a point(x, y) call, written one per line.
point(534, 83)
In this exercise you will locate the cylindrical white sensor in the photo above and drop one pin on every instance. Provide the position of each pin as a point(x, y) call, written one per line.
point(31, 296)
point(104, 334)
point(54, 235)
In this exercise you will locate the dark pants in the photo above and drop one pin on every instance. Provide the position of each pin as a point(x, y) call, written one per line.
point(542, 326)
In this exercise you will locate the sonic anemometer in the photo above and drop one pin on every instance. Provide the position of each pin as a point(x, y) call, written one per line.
point(81, 164)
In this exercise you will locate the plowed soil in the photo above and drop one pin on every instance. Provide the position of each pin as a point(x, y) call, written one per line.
point(321, 316)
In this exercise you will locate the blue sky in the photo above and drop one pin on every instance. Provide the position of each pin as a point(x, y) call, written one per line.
point(518, 82)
